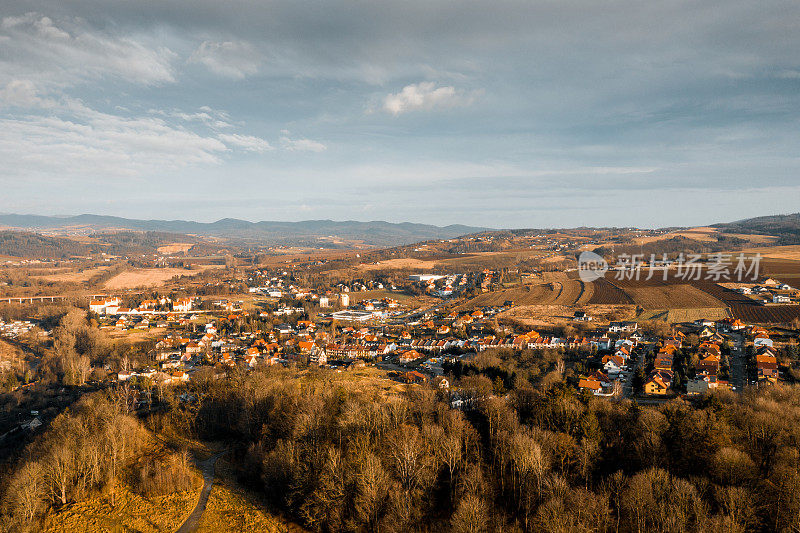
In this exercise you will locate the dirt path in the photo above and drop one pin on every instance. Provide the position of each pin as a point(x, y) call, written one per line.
point(207, 466)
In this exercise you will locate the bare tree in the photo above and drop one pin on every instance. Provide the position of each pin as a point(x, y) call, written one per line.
point(59, 466)
point(27, 491)
point(470, 516)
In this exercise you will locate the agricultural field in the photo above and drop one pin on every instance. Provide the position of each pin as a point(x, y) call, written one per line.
point(688, 314)
point(562, 293)
point(67, 275)
point(706, 234)
point(728, 296)
point(790, 253)
point(785, 269)
point(762, 314)
point(667, 295)
point(400, 263)
point(534, 316)
point(402, 298)
point(146, 277)
point(702, 234)
point(174, 248)
point(604, 293)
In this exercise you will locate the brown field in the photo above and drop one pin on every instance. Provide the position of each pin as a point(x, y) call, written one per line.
point(706, 234)
point(669, 296)
point(490, 260)
point(554, 259)
point(604, 293)
point(147, 277)
point(703, 234)
point(755, 239)
point(72, 276)
point(401, 263)
point(137, 335)
point(777, 252)
point(403, 299)
point(558, 315)
point(763, 314)
point(568, 292)
point(175, 248)
point(688, 314)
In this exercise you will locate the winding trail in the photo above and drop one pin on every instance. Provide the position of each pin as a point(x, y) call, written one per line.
point(207, 466)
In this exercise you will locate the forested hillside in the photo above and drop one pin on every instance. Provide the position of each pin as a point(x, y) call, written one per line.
point(786, 227)
point(25, 244)
point(337, 457)
point(35, 245)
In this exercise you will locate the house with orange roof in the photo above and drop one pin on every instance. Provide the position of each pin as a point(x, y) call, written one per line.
point(709, 365)
point(305, 346)
point(414, 377)
point(613, 364)
point(655, 385)
point(409, 357)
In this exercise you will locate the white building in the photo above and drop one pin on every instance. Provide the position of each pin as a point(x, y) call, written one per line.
point(425, 277)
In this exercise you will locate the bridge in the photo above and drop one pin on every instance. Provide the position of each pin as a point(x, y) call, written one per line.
point(31, 299)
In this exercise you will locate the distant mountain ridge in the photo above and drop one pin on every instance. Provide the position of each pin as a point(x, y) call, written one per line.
point(378, 233)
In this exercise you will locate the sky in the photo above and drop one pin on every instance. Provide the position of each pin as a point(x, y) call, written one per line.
point(503, 114)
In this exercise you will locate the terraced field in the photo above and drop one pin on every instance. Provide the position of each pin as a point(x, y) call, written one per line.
point(567, 292)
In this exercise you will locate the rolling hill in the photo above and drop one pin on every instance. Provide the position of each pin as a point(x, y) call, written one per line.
point(376, 233)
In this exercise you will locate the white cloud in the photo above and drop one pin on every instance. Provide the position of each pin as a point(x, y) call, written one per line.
point(789, 74)
point(72, 139)
point(22, 93)
point(232, 59)
point(67, 52)
point(246, 142)
point(302, 145)
point(427, 96)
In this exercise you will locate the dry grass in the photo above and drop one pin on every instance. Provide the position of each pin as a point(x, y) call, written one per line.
point(404, 262)
point(688, 314)
point(534, 316)
point(175, 248)
point(72, 276)
point(490, 260)
point(402, 299)
point(567, 292)
point(137, 335)
point(232, 508)
point(146, 277)
point(755, 239)
point(703, 234)
point(131, 513)
point(777, 252)
point(706, 234)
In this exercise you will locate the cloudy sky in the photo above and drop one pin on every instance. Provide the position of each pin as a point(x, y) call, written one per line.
point(501, 114)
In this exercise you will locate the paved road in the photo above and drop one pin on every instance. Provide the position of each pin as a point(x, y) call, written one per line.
point(627, 387)
point(738, 363)
point(207, 466)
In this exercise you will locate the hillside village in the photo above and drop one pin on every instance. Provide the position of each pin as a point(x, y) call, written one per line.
point(417, 345)
point(496, 328)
